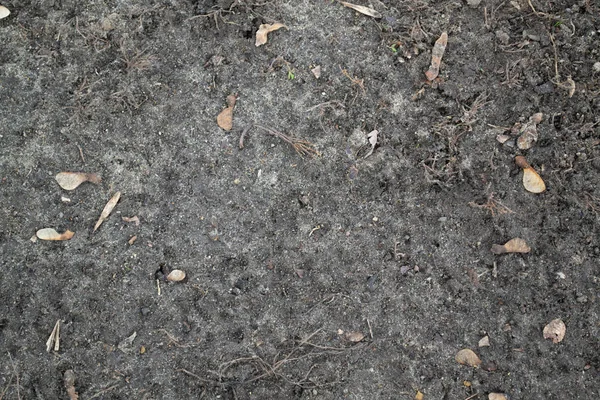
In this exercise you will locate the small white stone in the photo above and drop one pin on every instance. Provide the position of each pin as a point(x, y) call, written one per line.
point(597, 66)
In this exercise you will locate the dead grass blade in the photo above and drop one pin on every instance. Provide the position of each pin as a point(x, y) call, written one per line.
point(108, 209)
point(302, 147)
point(363, 10)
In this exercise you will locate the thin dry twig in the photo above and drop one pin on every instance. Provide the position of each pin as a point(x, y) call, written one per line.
point(302, 147)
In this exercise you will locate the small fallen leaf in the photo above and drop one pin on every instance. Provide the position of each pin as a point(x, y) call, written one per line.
point(497, 396)
point(51, 234)
point(467, 357)
point(528, 132)
point(372, 141)
point(555, 330)
point(363, 10)
point(125, 344)
point(484, 341)
point(225, 117)
point(71, 180)
point(108, 209)
point(516, 245)
point(532, 181)
point(132, 219)
point(4, 12)
point(419, 396)
point(436, 56)
point(354, 337)
point(263, 30)
point(69, 380)
point(316, 71)
point(502, 138)
point(176, 275)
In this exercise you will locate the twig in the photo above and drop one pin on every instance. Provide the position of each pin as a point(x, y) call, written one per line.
point(80, 153)
point(244, 133)
point(370, 329)
point(185, 371)
point(473, 396)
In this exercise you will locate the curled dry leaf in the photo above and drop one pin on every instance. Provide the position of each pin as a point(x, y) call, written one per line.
point(354, 337)
point(363, 10)
point(51, 234)
point(69, 379)
point(108, 209)
point(516, 245)
point(225, 117)
point(532, 181)
point(436, 57)
point(176, 275)
point(71, 180)
point(555, 330)
point(4, 12)
point(263, 30)
point(497, 396)
point(467, 357)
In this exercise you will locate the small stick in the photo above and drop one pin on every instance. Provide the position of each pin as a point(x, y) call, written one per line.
point(370, 329)
point(473, 396)
point(158, 286)
point(244, 132)
point(80, 153)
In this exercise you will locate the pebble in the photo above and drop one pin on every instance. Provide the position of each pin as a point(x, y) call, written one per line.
point(473, 3)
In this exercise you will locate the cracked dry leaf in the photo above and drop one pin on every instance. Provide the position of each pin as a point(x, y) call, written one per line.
point(107, 209)
point(516, 245)
point(468, 357)
point(363, 10)
point(4, 12)
point(264, 29)
point(436, 56)
point(225, 117)
point(532, 181)
point(555, 330)
point(71, 180)
point(51, 234)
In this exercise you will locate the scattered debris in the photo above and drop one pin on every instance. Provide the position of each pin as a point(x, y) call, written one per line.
point(143, 350)
point(132, 219)
point(132, 240)
point(69, 379)
point(354, 337)
point(528, 132)
point(108, 209)
point(225, 117)
point(516, 245)
point(467, 357)
point(71, 180)
point(51, 234)
point(372, 141)
point(264, 29)
point(4, 12)
point(497, 396)
point(532, 181)
point(436, 56)
point(302, 147)
point(125, 344)
point(54, 339)
point(502, 138)
point(555, 330)
point(419, 396)
point(316, 71)
point(484, 341)
point(363, 10)
point(176, 275)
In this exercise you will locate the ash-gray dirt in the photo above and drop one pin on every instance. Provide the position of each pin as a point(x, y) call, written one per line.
point(277, 247)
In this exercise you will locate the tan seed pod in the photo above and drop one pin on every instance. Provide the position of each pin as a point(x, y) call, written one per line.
point(107, 209)
point(468, 357)
point(532, 181)
point(71, 180)
point(516, 245)
point(263, 30)
point(555, 330)
point(176, 275)
point(51, 234)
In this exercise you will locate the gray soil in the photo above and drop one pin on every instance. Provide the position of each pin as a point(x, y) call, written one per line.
point(284, 252)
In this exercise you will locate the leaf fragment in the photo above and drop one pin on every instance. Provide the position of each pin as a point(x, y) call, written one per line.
point(484, 341)
point(225, 117)
point(4, 12)
point(372, 141)
point(107, 209)
point(516, 245)
point(354, 337)
point(132, 219)
point(532, 181)
point(53, 341)
point(436, 56)
point(71, 180)
point(468, 357)
point(497, 396)
point(125, 344)
point(528, 132)
point(363, 10)
point(176, 275)
point(51, 234)
point(264, 29)
point(555, 330)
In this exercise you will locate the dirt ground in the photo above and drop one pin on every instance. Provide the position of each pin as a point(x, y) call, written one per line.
point(339, 276)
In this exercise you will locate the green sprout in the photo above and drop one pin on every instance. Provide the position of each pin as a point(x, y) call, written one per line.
point(291, 75)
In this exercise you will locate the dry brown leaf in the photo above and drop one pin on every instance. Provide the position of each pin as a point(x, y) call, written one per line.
point(69, 379)
point(436, 56)
point(107, 209)
point(419, 396)
point(467, 357)
point(363, 10)
point(484, 341)
point(532, 181)
point(176, 275)
point(555, 330)
point(516, 245)
point(4, 12)
point(225, 117)
point(51, 234)
point(497, 396)
point(355, 337)
point(263, 30)
point(71, 180)
point(132, 219)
